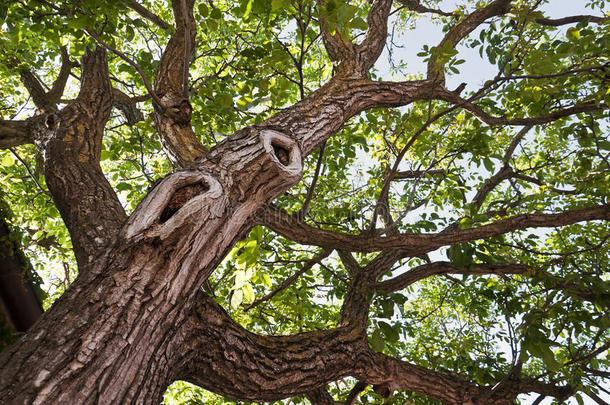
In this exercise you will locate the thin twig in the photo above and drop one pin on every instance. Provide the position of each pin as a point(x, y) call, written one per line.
point(312, 262)
point(46, 192)
point(133, 64)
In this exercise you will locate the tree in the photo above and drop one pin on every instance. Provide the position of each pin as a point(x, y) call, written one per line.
point(464, 261)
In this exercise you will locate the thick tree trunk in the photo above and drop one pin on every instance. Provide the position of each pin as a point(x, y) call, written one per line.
point(16, 290)
point(118, 346)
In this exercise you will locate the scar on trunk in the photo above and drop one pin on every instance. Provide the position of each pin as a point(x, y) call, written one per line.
point(282, 154)
point(181, 197)
point(284, 150)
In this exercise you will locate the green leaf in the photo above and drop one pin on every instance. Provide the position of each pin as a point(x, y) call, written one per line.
point(203, 9)
point(240, 279)
point(359, 23)
point(129, 33)
point(7, 159)
point(549, 358)
point(489, 165)
point(377, 343)
point(573, 34)
point(105, 155)
point(225, 100)
point(81, 22)
point(123, 186)
point(216, 14)
point(237, 298)
point(266, 280)
point(390, 332)
point(248, 292)
point(248, 8)
point(461, 255)
point(278, 4)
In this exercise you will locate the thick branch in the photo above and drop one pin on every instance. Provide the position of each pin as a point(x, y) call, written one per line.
point(372, 45)
point(452, 388)
point(43, 100)
point(414, 5)
point(14, 133)
point(571, 20)
point(339, 100)
point(128, 106)
point(16, 288)
point(415, 244)
point(54, 95)
point(354, 392)
point(146, 13)
point(463, 28)
point(223, 357)
point(35, 89)
point(320, 396)
point(427, 270)
point(337, 47)
point(173, 119)
point(85, 199)
point(156, 100)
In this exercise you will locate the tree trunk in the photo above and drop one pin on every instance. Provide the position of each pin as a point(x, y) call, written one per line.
point(16, 290)
point(137, 294)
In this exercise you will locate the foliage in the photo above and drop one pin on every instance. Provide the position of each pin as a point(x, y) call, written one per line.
point(256, 57)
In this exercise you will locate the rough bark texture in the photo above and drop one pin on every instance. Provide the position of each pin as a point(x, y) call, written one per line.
point(416, 244)
point(16, 291)
point(14, 133)
point(173, 117)
point(71, 153)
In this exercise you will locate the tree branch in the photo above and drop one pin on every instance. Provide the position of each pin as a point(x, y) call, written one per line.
point(414, 5)
point(310, 263)
point(173, 121)
point(217, 354)
point(87, 203)
point(451, 388)
point(36, 91)
point(221, 356)
point(146, 13)
point(580, 107)
point(416, 174)
point(128, 106)
point(462, 29)
point(54, 95)
point(415, 244)
point(132, 63)
point(374, 41)
point(43, 100)
point(571, 20)
point(337, 47)
point(14, 133)
point(305, 207)
point(437, 268)
point(320, 396)
point(354, 392)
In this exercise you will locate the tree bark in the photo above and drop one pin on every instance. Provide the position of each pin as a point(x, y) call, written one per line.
point(16, 289)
